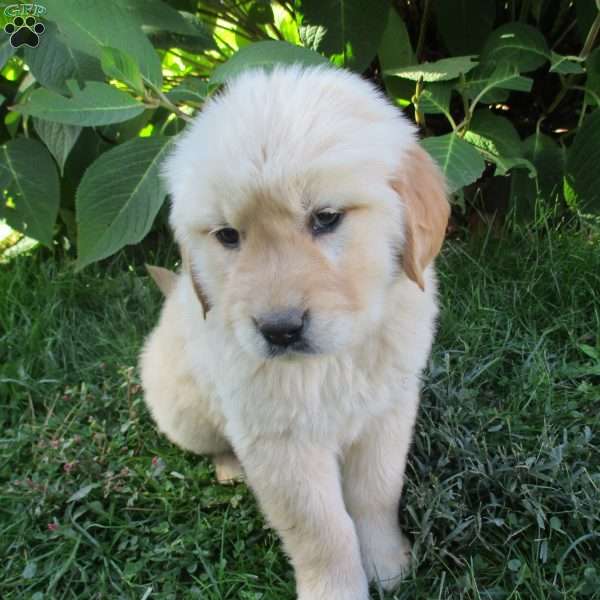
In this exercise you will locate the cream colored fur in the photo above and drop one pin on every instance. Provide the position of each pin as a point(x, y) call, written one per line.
point(322, 437)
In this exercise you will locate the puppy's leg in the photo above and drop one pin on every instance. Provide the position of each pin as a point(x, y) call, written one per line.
point(373, 475)
point(179, 405)
point(298, 488)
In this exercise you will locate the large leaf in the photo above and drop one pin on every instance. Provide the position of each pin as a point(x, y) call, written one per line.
point(53, 63)
point(583, 174)
point(7, 50)
point(592, 65)
point(548, 159)
point(156, 15)
point(440, 70)
point(265, 55)
point(464, 24)
point(435, 98)
point(190, 90)
point(494, 134)
point(30, 188)
point(88, 27)
point(97, 104)
point(354, 29)
point(566, 65)
point(486, 80)
point(59, 139)
point(499, 142)
point(119, 65)
point(517, 44)
point(119, 197)
point(459, 161)
point(395, 50)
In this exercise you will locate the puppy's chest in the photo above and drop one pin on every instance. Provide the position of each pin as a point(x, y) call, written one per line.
point(322, 399)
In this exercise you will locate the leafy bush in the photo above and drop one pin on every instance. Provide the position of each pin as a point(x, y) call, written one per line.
point(505, 93)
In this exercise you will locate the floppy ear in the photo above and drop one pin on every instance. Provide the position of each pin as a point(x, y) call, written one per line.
point(422, 188)
point(189, 270)
point(163, 278)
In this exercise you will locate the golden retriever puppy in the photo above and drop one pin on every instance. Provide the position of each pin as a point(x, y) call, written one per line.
point(295, 335)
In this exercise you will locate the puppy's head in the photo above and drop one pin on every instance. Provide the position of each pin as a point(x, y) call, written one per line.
point(300, 197)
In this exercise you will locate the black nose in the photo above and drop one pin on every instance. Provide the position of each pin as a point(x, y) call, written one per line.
point(282, 328)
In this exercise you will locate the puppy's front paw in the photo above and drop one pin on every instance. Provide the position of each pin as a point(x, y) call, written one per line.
point(228, 469)
point(386, 554)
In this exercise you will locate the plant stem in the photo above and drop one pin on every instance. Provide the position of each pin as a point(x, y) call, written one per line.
point(422, 31)
point(162, 100)
point(567, 82)
point(591, 37)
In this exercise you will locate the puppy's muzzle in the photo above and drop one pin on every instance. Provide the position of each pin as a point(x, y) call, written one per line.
point(283, 329)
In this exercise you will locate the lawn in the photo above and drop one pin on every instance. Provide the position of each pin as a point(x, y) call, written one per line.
point(503, 492)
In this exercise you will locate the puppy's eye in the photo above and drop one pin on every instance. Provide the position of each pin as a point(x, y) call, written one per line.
point(324, 221)
point(228, 237)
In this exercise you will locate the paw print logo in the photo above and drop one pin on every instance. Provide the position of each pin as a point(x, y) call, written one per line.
point(24, 32)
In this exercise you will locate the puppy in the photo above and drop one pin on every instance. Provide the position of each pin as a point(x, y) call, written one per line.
point(296, 333)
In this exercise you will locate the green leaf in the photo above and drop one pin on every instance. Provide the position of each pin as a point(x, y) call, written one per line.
point(494, 134)
point(517, 44)
point(191, 90)
point(266, 55)
point(53, 63)
point(592, 85)
point(459, 161)
point(159, 16)
point(435, 98)
point(440, 70)
point(122, 132)
point(353, 29)
point(119, 197)
point(464, 24)
point(6, 52)
point(549, 162)
point(119, 65)
point(97, 104)
point(312, 36)
point(496, 137)
point(583, 158)
point(486, 80)
point(59, 139)
point(89, 27)
point(566, 65)
point(504, 164)
point(395, 50)
point(30, 187)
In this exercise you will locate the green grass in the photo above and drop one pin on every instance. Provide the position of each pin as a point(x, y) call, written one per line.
point(503, 492)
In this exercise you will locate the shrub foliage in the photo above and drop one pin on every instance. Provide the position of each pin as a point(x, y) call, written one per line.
point(506, 95)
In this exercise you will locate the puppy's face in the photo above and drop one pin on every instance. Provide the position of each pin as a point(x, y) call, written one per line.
point(300, 270)
point(291, 219)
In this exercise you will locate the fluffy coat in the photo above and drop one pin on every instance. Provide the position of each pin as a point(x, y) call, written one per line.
point(322, 434)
